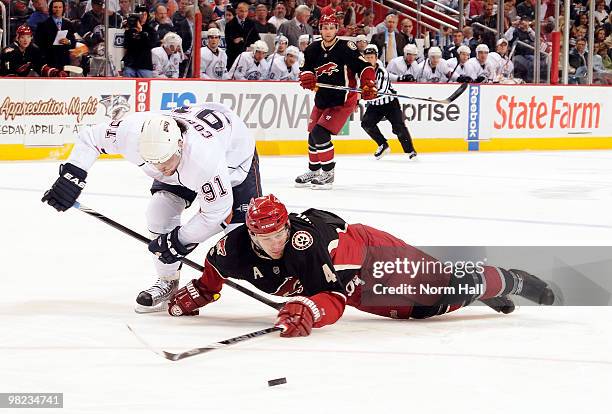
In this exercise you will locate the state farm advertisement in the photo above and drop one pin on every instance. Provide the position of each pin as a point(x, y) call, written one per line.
point(545, 112)
point(50, 112)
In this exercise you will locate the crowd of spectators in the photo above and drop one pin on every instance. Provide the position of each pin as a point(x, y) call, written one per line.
point(158, 38)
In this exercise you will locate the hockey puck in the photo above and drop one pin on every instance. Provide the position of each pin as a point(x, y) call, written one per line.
point(277, 381)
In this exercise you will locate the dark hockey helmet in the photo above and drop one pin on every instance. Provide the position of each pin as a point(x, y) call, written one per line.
point(266, 215)
point(329, 19)
point(24, 29)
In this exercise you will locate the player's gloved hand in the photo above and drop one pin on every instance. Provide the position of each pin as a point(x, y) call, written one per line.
point(66, 188)
point(169, 249)
point(24, 69)
point(464, 79)
point(296, 319)
point(407, 78)
point(189, 298)
point(480, 79)
point(368, 90)
point(308, 80)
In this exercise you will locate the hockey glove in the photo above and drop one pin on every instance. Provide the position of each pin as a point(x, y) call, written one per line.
point(24, 69)
point(407, 78)
point(308, 80)
point(51, 72)
point(169, 249)
point(66, 188)
point(368, 90)
point(297, 317)
point(189, 298)
point(480, 79)
point(464, 79)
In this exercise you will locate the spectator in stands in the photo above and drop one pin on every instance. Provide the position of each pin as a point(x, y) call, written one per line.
point(56, 56)
point(368, 22)
point(406, 30)
point(526, 9)
point(290, 5)
point(476, 8)
point(600, 37)
point(140, 39)
point(606, 59)
point(279, 15)
point(206, 11)
point(261, 20)
point(162, 23)
point(390, 43)
point(350, 17)
point(487, 19)
point(92, 23)
point(125, 8)
point(578, 57)
point(601, 15)
point(523, 55)
point(509, 12)
point(228, 16)
point(405, 67)
point(332, 8)
point(451, 51)
point(219, 9)
point(582, 20)
point(179, 15)
point(19, 15)
point(469, 40)
point(315, 13)
point(239, 33)
point(297, 26)
point(41, 13)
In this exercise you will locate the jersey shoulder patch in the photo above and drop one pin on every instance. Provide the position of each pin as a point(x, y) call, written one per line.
point(302, 240)
point(351, 45)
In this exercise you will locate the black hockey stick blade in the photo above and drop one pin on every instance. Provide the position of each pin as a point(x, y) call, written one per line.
point(197, 351)
point(457, 93)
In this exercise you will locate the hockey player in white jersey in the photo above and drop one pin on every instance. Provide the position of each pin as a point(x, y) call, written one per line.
point(203, 152)
point(434, 68)
point(286, 68)
point(251, 65)
point(280, 48)
point(405, 68)
point(213, 59)
point(504, 68)
point(303, 42)
point(459, 71)
point(481, 68)
point(167, 57)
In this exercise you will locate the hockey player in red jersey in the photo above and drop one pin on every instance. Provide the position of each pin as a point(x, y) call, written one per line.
point(324, 264)
point(336, 62)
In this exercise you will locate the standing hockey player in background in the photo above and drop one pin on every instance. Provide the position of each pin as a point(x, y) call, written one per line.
point(405, 67)
point(336, 62)
point(251, 65)
point(204, 152)
point(213, 60)
point(384, 106)
point(324, 264)
point(167, 57)
point(285, 68)
point(434, 68)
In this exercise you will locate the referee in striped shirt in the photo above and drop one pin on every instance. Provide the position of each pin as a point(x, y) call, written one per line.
point(384, 106)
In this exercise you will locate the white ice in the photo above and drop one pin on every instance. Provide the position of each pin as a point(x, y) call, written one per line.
point(69, 284)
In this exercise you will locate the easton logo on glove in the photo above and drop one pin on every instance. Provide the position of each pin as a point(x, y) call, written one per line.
point(74, 180)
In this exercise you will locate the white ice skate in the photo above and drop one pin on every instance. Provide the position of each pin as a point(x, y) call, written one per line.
point(323, 181)
point(155, 298)
point(305, 179)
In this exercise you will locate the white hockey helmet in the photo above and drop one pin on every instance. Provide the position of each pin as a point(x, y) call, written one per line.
point(281, 39)
point(304, 38)
point(159, 139)
point(292, 50)
point(361, 38)
point(371, 49)
point(464, 49)
point(434, 51)
point(171, 39)
point(260, 46)
point(410, 49)
point(482, 48)
point(213, 31)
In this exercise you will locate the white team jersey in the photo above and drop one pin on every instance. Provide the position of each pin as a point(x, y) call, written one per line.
point(216, 156)
point(274, 57)
point(280, 71)
point(399, 67)
point(427, 74)
point(165, 66)
point(504, 68)
point(301, 59)
point(477, 70)
point(245, 67)
point(213, 66)
point(461, 70)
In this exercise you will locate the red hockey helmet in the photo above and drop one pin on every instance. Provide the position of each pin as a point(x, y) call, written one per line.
point(24, 29)
point(266, 215)
point(329, 19)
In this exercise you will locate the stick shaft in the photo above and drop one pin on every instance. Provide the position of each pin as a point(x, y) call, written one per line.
point(443, 101)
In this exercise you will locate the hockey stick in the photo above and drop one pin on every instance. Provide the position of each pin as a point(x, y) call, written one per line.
point(448, 100)
point(197, 351)
point(184, 260)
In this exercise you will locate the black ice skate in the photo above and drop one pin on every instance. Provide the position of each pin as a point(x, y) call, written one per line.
point(531, 287)
point(412, 154)
point(155, 298)
point(305, 179)
point(323, 181)
point(382, 151)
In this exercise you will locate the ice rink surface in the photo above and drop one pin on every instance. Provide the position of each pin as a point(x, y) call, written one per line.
point(69, 284)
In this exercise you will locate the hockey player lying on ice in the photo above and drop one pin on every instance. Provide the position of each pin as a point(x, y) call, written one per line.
point(324, 264)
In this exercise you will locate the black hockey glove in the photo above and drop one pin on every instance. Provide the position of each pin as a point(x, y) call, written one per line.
point(168, 248)
point(407, 78)
point(464, 79)
point(480, 79)
point(66, 188)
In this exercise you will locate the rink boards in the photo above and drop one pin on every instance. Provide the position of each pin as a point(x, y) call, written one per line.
point(39, 118)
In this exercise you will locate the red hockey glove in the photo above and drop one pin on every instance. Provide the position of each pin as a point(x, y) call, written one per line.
point(297, 317)
point(51, 72)
point(189, 298)
point(24, 69)
point(368, 90)
point(308, 80)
